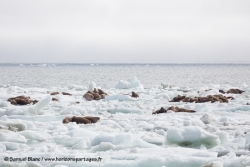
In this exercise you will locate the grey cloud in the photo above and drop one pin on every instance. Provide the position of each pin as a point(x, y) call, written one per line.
point(124, 31)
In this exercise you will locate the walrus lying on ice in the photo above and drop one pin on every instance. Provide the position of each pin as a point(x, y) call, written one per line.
point(175, 109)
point(81, 120)
point(209, 98)
point(21, 100)
point(95, 95)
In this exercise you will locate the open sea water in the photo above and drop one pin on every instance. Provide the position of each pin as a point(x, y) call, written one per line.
point(108, 75)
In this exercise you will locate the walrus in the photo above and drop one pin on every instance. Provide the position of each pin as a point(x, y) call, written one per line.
point(67, 120)
point(101, 92)
point(21, 100)
point(175, 109)
point(96, 96)
point(81, 120)
point(54, 99)
point(161, 110)
point(235, 91)
point(92, 119)
point(88, 96)
point(222, 91)
point(102, 96)
point(95, 90)
point(178, 98)
point(65, 93)
point(54, 93)
point(134, 95)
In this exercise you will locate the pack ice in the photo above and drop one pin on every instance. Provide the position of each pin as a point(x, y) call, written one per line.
point(217, 134)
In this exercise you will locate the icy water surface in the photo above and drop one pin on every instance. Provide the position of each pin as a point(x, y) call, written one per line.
point(214, 134)
point(107, 75)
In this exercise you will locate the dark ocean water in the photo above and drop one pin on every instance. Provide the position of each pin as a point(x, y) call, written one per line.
point(108, 75)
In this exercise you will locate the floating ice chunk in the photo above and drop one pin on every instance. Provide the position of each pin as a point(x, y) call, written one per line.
point(223, 119)
point(6, 135)
point(2, 148)
point(162, 96)
point(74, 110)
point(116, 139)
point(247, 144)
point(120, 97)
point(103, 146)
point(33, 135)
point(214, 164)
point(202, 108)
point(165, 85)
point(191, 136)
point(244, 85)
point(11, 146)
point(92, 86)
point(67, 140)
point(206, 119)
point(36, 109)
point(126, 110)
point(130, 83)
point(3, 103)
point(18, 124)
point(223, 136)
point(77, 87)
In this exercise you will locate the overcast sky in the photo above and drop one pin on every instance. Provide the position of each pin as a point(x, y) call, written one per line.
point(124, 31)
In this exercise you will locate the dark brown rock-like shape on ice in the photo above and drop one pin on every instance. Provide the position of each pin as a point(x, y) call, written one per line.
point(81, 120)
point(172, 108)
point(134, 95)
point(235, 91)
point(54, 99)
point(210, 98)
point(95, 95)
point(65, 93)
point(54, 93)
point(21, 100)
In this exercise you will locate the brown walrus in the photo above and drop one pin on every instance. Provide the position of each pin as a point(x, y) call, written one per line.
point(54, 99)
point(177, 99)
point(81, 120)
point(161, 110)
point(175, 109)
point(95, 95)
point(67, 120)
point(65, 93)
point(54, 93)
point(134, 95)
point(222, 91)
point(21, 100)
point(235, 91)
point(210, 98)
point(88, 96)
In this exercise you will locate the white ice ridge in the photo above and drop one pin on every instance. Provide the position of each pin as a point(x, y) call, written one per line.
point(130, 83)
point(191, 136)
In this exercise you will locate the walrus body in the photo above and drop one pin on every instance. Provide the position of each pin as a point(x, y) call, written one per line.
point(235, 91)
point(210, 98)
point(134, 95)
point(81, 120)
point(95, 95)
point(172, 108)
point(21, 100)
point(54, 93)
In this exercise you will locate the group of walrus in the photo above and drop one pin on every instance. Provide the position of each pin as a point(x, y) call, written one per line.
point(21, 100)
point(98, 94)
point(209, 98)
point(172, 108)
